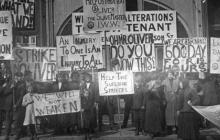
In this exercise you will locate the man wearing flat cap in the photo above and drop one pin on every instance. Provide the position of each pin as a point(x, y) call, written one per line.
point(61, 84)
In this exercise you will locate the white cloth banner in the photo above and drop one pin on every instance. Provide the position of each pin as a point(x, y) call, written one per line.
point(57, 103)
point(23, 13)
point(186, 55)
point(211, 113)
point(215, 55)
point(79, 52)
point(104, 14)
point(135, 51)
point(41, 61)
point(6, 36)
point(115, 83)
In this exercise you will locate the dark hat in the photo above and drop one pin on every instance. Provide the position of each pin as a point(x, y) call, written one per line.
point(185, 83)
point(27, 72)
point(86, 75)
point(138, 74)
point(74, 74)
point(19, 74)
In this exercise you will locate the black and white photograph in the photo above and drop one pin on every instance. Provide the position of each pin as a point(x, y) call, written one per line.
point(109, 69)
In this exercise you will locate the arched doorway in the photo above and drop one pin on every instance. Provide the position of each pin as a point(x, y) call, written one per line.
point(66, 27)
point(182, 30)
point(149, 5)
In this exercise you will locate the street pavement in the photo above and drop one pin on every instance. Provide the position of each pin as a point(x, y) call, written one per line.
point(123, 134)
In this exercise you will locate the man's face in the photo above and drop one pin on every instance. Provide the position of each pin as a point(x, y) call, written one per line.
point(59, 78)
point(87, 79)
point(18, 78)
point(170, 75)
point(2, 65)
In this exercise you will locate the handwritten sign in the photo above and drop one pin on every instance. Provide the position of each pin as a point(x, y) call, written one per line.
point(104, 15)
point(41, 61)
point(5, 35)
point(57, 103)
point(186, 55)
point(77, 23)
point(23, 12)
point(215, 55)
point(115, 83)
point(79, 52)
point(162, 24)
point(135, 52)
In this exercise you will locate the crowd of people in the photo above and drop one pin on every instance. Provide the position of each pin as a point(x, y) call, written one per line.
point(161, 104)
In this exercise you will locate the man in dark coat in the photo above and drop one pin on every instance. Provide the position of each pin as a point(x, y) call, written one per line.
point(74, 118)
point(138, 104)
point(60, 85)
point(187, 117)
point(128, 105)
point(19, 111)
point(88, 98)
point(5, 75)
point(9, 100)
point(2, 103)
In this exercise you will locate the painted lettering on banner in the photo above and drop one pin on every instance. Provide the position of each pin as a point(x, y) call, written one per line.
point(57, 103)
point(115, 83)
point(186, 55)
point(135, 52)
point(103, 14)
point(41, 61)
point(79, 52)
point(23, 12)
point(5, 35)
point(77, 23)
point(215, 55)
point(162, 24)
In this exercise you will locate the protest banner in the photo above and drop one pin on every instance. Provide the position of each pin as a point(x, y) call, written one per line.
point(211, 113)
point(186, 55)
point(100, 15)
point(79, 52)
point(57, 103)
point(115, 83)
point(135, 52)
point(41, 61)
point(23, 12)
point(215, 55)
point(5, 35)
point(77, 23)
point(162, 24)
